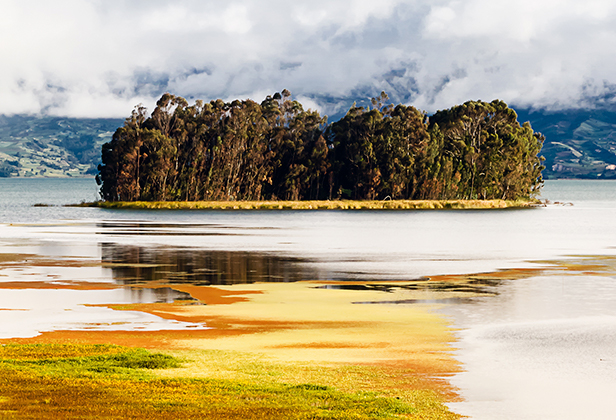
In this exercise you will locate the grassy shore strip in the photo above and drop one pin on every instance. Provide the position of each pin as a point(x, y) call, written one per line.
point(317, 205)
point(95, 381)
point(86, 381)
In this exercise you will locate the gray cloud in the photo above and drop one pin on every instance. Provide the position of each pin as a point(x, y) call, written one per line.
point(100, 58)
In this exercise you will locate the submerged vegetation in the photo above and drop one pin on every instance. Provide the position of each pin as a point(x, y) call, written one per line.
point(87, 381)
point(276, 150)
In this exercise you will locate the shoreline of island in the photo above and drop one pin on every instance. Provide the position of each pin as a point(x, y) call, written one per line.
point(317, 205)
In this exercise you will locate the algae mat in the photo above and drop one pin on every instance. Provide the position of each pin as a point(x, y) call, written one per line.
point(273, 337)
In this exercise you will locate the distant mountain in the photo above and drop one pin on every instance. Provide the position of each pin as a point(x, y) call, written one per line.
point(43, 146)
point(579, 143)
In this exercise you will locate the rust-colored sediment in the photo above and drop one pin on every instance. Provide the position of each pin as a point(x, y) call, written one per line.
point(215, 296)
point(507, 274)
point(294, 321)
point(60, 285)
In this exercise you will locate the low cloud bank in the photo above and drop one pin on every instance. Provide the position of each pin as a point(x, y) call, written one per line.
point(99, 59)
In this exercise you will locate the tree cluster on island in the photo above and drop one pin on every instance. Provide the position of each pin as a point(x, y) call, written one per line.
point(277, 150)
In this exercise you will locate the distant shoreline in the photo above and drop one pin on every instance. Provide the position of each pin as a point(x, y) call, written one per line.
point(317, 205)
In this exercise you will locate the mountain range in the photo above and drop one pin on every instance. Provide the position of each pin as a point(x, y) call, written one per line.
point(46, 146)
point(579, 143)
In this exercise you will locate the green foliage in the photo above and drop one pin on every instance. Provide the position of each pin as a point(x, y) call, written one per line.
point(8, 169)
point(278, 151)
point(491, 154)
point(66, 381)
point(77, 361)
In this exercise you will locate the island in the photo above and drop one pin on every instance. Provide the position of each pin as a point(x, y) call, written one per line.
point(277, 151)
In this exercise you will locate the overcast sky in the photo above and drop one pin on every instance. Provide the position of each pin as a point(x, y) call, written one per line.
point(99, 58)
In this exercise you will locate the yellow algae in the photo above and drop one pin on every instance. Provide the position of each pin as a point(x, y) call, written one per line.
point(602, 265)
point(352, 332)
point(300, 331)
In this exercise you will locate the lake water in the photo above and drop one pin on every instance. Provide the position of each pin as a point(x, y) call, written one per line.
point(543, 347)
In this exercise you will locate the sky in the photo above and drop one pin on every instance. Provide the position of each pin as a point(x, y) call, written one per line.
point(100, 58)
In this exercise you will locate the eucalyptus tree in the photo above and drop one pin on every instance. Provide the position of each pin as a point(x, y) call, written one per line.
point(277, 150)
point(492, 155)
point(354, 142)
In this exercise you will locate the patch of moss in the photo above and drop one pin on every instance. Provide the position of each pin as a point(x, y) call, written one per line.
point(74, 381)
point(71, 360)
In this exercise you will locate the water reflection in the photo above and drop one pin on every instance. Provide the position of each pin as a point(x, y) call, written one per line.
point(155, 295)
point(171, 228)
point(463, 285)
point(132, 264)
point(145, 228)
point(451, 300)
point(543, 348)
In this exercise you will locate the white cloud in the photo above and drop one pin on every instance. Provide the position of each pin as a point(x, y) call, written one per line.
point(100, 58)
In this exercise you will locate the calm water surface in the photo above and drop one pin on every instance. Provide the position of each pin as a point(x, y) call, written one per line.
point(542, 348)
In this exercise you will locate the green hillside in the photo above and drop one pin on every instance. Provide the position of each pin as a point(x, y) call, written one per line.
point(44, 146)
point(579, 143)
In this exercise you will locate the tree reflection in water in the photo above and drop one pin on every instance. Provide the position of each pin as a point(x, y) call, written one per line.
point(134, 264)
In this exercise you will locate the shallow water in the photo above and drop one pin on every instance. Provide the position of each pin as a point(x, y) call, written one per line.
point(28, 312)
point(544, 348)
point(536, 348)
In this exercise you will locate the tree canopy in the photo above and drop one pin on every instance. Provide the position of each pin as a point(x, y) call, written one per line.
point(277, 150)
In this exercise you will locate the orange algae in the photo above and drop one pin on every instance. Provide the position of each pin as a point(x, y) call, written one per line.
point(67, 285)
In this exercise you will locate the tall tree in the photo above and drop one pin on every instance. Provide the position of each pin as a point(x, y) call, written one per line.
point(277, 150)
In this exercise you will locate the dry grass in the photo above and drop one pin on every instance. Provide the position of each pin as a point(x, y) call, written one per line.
point(318, 205)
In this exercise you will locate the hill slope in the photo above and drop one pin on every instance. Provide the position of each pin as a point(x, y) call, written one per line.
point(52, 146)
point(579, 143)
